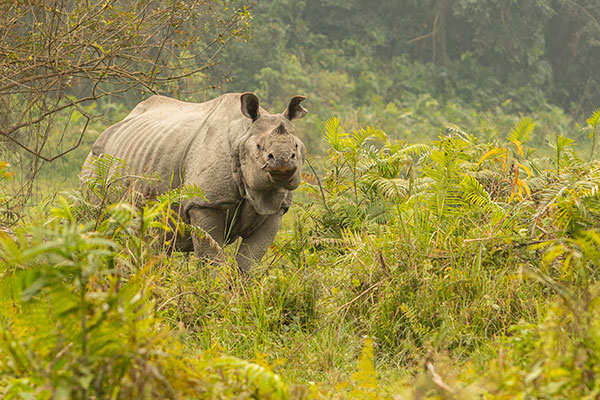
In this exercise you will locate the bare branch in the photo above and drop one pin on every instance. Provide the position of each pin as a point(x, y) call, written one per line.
point(57, 55)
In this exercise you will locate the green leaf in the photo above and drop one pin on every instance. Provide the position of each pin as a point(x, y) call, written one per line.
point(594, 120)
point(522, 131)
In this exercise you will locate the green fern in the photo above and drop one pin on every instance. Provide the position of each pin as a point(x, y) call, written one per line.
point(593, 123)
point(563, 148)
point(391, 188)
point(180, 194)
point(522, 131)
point(105, 171)
point(364, 380)
point(361, 135)
point(594, 120)
point(263, 382)
point(457, 130)
point(475, 194)
point(414, 150)
point(411, 315)
point(334, 135)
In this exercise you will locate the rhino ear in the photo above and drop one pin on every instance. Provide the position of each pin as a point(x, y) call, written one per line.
point(250, 106)
point(294, 110)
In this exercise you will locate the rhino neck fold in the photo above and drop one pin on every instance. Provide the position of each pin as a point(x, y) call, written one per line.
point(236, 142)
point(266, 202)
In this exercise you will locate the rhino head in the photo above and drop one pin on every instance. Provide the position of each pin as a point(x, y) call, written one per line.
point(271, 157)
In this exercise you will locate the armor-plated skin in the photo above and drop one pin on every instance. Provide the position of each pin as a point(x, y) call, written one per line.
point(246, 160)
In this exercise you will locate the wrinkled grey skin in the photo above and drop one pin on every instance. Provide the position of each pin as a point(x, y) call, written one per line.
point(246, 160)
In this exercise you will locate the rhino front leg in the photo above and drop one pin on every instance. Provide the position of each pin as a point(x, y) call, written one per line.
point(208, 246)
point(254, 246)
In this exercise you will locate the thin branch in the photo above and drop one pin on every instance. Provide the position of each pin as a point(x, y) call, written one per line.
point(320, 186)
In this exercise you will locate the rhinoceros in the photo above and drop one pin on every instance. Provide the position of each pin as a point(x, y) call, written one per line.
point(245, 159)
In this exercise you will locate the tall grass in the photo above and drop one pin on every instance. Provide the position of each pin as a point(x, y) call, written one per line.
point(455, 269)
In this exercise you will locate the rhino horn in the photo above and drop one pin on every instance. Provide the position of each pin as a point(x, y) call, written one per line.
point(294, 110)
point(280, 129)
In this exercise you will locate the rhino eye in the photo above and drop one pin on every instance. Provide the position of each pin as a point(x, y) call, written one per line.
point(258, 146)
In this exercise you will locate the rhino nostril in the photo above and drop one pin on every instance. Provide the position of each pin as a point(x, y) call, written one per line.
point(293, 156)
point(271, 157)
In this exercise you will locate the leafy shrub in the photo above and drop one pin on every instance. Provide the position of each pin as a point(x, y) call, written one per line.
point(466, 263)
point(78, 320)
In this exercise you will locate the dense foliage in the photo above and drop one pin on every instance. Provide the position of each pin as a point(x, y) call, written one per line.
point(407, 67)
point(57, 58)
point(482, 53)
point(473, 260)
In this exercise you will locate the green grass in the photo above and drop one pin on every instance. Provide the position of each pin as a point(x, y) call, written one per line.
point(433, 271)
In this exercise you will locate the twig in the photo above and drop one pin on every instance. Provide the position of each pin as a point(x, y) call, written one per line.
point(485, 239)
point(171, 299)
point(436, 379)
point(320, 186)
point(373, 286)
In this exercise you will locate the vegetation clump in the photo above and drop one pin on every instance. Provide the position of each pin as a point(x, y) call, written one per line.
point(465, 264)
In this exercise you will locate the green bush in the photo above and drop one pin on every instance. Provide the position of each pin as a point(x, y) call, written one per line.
point(453, 269)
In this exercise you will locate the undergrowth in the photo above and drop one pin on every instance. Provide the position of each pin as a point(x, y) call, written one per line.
point(454, 269)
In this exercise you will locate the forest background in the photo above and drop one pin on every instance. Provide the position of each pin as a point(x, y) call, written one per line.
point(406, 67)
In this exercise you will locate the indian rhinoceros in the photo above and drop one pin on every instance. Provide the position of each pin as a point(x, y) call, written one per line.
point(246, 160)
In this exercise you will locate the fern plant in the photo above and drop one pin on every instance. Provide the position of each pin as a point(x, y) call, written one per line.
point(367, 173)
point(592, 126)
point(569, 201)
point(78, 317)
point(510, 157)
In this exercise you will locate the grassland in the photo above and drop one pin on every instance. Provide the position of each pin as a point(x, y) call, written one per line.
point(466, 267)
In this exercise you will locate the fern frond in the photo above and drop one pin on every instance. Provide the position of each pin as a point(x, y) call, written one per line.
point(361, 135)
point(105, 166)
point(492, 154)
point(519, 147)
point(353, 239)
point(594, 120)
point(263, 380)
point(412, 317)
point(391, 188)
point(181, 193)
point(365, 378)
point(522, 131)
point(334, 135)
point(458, 131)
point(474, 192)
point(414, 150)
point(105, 172)
point(560, 143)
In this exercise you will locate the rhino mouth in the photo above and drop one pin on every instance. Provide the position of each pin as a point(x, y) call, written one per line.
point(279, 177)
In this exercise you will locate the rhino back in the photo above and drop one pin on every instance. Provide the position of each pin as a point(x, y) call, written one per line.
point(156, 136)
